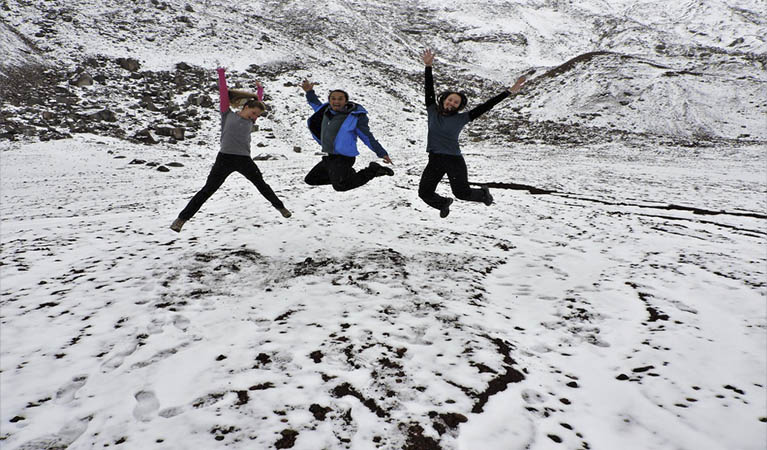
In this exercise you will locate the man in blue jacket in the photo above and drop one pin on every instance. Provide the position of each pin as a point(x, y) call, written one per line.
point(336, 125)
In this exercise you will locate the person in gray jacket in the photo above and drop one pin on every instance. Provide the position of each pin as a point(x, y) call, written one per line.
point(234, 155)
point(445, 125)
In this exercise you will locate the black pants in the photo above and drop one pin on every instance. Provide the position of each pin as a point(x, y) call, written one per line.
point(223, 167)
point(455, 168)
point(337, 170)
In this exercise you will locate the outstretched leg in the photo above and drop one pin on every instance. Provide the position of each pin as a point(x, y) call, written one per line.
point(222, 168)
point(430, 178)
point(459, 181)
point(250, 170)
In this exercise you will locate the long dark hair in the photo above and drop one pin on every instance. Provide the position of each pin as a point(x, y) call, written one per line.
point(446, 94)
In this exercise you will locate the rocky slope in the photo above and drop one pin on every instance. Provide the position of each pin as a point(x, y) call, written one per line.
point(692, 73)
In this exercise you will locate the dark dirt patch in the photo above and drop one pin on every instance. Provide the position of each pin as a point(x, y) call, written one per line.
point(318, 411)
point(345, 389)
point(288, 439)
point(316, 356)
point(417, 441)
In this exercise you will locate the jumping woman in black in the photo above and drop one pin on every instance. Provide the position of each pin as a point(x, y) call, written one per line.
point(445, 124)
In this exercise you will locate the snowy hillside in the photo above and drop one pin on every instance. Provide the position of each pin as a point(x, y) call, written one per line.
point(612, 297)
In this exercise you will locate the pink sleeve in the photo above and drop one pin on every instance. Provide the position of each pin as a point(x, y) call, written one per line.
point(223, 91)
point(260, 93)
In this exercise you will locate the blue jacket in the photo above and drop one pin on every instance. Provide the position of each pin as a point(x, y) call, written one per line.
point(355, 126)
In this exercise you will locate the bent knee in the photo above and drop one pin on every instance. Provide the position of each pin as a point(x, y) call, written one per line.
point(341, 187)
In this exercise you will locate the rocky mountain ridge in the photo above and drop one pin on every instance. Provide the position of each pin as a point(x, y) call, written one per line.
point(604, 70)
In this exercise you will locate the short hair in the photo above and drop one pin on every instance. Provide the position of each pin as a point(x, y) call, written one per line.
point(346, 95)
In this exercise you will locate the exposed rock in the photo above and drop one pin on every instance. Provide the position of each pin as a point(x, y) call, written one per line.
point(105, 115)
point(267, 157)
point(81, 80)
point(174, 132)
point(163, 169)
point(129, 64)
point(145, 136)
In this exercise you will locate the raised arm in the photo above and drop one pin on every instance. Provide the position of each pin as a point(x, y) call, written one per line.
point(259, 91)
point(223, 90)
point(428, 59)
point(488, 105)
point(311, 96)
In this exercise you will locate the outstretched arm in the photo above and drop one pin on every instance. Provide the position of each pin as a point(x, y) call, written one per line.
point(311, 96)
point(428, 59)
point(223, 90)
point(363, 131)
point(488, 105)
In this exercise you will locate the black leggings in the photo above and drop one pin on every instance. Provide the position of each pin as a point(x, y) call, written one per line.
point(223, 167)
point(455, 168)
point(337, 170)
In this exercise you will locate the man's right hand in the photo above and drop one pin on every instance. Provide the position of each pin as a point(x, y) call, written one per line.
point(307, 85)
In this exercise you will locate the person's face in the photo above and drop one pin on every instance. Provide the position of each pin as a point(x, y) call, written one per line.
point(337, 101)
point(452, 102)
point(251, 113)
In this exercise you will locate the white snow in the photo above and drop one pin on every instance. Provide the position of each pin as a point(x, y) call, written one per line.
point(366, 321)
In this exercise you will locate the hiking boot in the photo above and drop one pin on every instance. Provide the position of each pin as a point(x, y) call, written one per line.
point(488, 200)
point(379, 170)
point(445, 210)
point(285, 213)
point(177, 224)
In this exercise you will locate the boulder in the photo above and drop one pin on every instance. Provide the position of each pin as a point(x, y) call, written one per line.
point(145, 136)
point(173, 132)
point(129, 64)
point(81, 80)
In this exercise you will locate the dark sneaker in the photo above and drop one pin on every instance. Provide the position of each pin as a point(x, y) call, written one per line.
point(177, 224)
point(285, 213)
point(488, 200)
point(380, 170)
point(445, 210)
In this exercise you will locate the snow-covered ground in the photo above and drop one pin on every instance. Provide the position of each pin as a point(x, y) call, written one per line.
point(365, 321)
point(622, 308)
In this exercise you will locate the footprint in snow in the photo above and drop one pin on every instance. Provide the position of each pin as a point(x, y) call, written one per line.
point(61, 440)
point(66, 393)
point(181, 322)
point(118, 358)
point(146, 406)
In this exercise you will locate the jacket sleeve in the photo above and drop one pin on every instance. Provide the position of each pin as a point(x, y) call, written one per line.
point(260, 93)
point(428, 81)
point(223, 91)
point(314, 102)
point(363, 131)
point(487, 106)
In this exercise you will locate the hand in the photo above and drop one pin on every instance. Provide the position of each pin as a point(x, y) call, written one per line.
point(428, 57)
point(307, 85)
point(518, 85)
point(387, 160)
